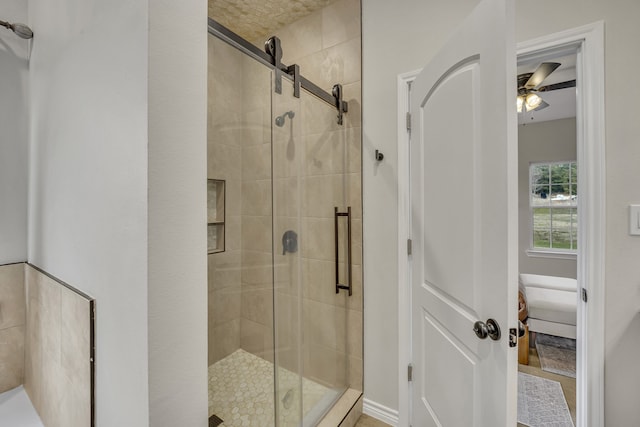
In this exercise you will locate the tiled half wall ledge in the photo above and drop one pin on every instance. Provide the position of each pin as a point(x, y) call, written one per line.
point(47, 337)
point(12, 326)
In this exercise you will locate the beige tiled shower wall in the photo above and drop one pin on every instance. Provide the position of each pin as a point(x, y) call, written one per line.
point(57, 351)
point(12, 326)
point(224, 152)
point(256, 318)
point(326, 45)
point(239, 152)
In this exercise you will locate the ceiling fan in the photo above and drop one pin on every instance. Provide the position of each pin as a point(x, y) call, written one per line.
point(529, 85)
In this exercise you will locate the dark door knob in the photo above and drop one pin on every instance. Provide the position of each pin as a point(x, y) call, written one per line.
point(480, 329)
point(494, 329)
point(490, 329)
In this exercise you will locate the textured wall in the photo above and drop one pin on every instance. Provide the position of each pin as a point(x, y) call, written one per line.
point(57, 351)
point(257, 18)
point(12, 326)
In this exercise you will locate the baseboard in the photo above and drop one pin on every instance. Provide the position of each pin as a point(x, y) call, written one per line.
point(380, 412)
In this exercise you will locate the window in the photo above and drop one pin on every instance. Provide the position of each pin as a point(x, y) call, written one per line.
point(553, 202)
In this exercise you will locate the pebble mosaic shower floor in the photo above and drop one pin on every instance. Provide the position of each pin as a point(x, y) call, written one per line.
point(241, 392)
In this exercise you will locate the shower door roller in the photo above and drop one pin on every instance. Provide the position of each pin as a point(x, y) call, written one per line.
point(490, 329)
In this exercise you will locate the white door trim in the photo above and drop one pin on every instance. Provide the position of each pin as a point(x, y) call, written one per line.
point(590, 122)
point(591, 259)
point(404, 270)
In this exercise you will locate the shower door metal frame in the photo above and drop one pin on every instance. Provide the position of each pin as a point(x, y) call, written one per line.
point(272, 60)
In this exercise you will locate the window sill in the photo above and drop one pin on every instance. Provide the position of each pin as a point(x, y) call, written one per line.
point(536, 253)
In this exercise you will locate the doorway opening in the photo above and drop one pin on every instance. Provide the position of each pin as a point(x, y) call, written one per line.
point(548, 248)
point(587, 43)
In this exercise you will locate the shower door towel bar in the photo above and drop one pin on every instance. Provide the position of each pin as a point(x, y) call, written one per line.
point(348, 263)
point(271, 58)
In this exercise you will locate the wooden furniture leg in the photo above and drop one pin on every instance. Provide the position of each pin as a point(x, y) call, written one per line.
point(523, 347)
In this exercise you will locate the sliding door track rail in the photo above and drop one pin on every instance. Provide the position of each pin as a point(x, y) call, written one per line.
point(270, 57)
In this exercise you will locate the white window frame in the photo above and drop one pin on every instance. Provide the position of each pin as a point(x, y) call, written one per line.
point(549, 252)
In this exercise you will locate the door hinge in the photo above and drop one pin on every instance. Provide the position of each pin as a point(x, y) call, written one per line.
point(410, 372)
point(409, 122)
point(584, 295)
point(409, 246)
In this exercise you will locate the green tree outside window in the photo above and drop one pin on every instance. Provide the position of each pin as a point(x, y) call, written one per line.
point(553, 202)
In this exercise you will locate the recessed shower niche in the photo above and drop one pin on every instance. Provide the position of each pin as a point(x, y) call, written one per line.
point(215, 215)
point(285, 343)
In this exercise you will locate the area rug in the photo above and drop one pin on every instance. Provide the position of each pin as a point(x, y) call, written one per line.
point(557, 354)
point(541, 403)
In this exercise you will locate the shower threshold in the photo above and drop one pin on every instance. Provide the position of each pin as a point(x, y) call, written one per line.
point(241, 393)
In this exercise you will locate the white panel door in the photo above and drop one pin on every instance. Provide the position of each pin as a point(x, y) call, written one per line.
point(464, 229)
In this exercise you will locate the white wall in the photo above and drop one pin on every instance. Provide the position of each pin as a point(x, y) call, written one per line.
point(177, 260)
point(542, 142)
point(397, 37)
point(99, 150)
point(402, 36)
point(88, 180)
point(14, 67)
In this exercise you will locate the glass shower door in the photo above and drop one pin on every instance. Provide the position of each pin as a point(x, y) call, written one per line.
point(311, 250)
point(240, 260)
point(282, 176)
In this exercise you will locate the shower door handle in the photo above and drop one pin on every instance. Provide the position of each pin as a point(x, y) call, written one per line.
point(339, 285)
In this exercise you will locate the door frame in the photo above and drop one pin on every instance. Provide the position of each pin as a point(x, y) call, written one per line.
point(590, 124)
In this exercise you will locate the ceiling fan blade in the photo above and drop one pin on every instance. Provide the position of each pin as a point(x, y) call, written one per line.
point(556, 86)
point(541, 73)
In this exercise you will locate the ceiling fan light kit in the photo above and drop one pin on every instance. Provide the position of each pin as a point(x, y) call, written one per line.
point(529, 83)
point(532, 101)
point(528, 102)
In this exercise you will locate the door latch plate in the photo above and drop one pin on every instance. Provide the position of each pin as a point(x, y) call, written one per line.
point(513, 337)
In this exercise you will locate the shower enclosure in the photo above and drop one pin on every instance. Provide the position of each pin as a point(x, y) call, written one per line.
point(285, 220)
